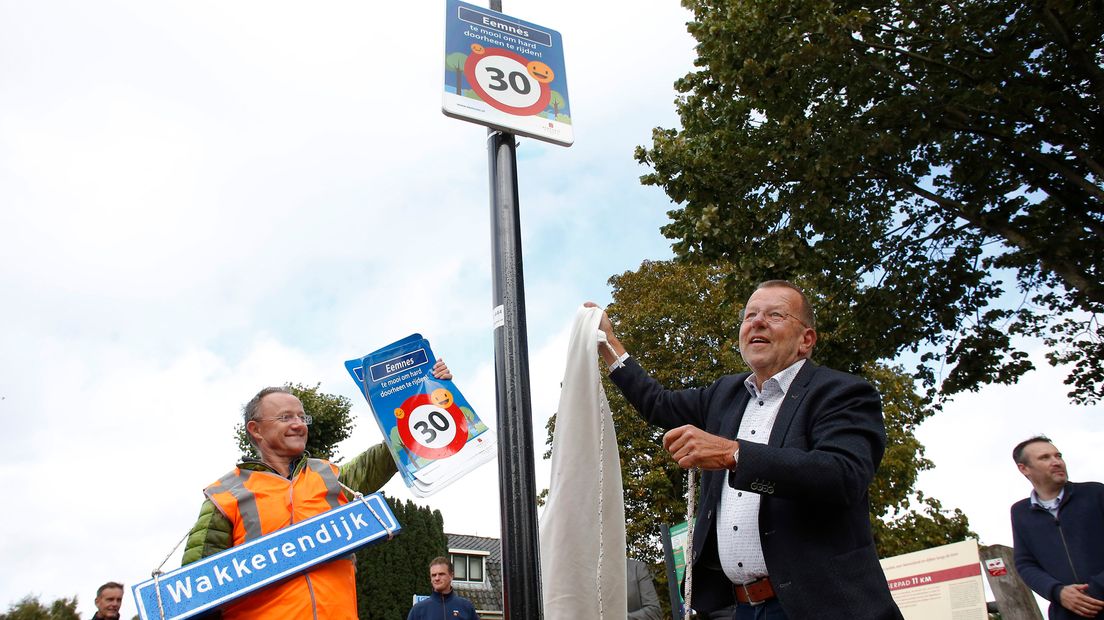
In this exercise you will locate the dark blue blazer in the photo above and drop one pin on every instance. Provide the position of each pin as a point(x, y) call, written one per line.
point(813, 474)
point(1052, 553)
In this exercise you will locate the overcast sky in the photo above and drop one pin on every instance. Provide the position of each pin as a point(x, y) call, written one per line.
point(199, 199)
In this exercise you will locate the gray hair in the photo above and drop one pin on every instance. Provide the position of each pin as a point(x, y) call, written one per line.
point(1018, 451)
point(111, 585)
point(249, 411)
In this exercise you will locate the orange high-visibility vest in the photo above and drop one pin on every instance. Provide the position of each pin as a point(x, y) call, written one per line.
point(261, 502)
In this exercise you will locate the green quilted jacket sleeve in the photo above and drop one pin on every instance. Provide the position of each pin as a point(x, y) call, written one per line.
point(370, 470)
point(211, 533)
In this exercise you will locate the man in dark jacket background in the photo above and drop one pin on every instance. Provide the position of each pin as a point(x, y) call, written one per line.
point(444, 602)
point(1058, 533)
point(109, 598)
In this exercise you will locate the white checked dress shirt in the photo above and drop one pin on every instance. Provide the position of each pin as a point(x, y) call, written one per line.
point(738, 543)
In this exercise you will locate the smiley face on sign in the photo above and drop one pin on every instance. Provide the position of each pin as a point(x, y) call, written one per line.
point(430, 430)
point(540, 72)
point(505, 81)
point(441, 397)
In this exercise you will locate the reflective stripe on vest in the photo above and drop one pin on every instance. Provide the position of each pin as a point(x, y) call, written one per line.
point(333, 485)
point(333, 488)
point(236, 484)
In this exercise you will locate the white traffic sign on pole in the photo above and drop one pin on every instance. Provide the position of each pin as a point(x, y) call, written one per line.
point(505, 73)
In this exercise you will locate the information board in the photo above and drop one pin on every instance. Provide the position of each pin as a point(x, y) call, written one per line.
point(936, 583)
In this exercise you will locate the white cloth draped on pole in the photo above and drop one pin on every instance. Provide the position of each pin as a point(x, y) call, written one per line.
point(582, 528)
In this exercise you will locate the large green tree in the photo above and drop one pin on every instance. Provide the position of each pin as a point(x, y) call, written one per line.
point(331, 425)
point(388, 575)
point(681, 321)
point(933, 169)
point(30, 608)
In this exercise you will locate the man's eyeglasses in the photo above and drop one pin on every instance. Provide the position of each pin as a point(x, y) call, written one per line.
point(774, 317)
point(304, 419)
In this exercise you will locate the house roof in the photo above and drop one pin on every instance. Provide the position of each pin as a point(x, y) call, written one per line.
point(486, 595)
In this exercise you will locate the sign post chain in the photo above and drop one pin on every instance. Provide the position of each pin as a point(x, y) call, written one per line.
point(516, 479)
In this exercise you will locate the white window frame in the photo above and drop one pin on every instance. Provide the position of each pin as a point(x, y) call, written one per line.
point(470, 553)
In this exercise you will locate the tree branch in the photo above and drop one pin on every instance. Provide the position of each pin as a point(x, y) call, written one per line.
point(1069, 272)
point(915, 56)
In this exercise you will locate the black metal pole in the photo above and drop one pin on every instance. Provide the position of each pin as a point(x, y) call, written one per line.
point(517, 488)
point(516, 480)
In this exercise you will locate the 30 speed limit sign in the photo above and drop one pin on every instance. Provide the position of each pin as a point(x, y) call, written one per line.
point(505, 73)
point(507, 81)
point(431, 425)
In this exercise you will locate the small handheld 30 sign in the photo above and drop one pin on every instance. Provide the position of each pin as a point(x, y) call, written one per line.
point(223, 577)
point(505, 73)
point(431, 430)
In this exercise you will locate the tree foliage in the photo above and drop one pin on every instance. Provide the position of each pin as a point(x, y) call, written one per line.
point(332, 422)
point(933, 169)
point(681, 322)
point(903, 518)
point(30, 608)
point(389, 574)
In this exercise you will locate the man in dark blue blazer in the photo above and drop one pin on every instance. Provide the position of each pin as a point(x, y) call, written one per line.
point(788, 452)
point(1058, 533)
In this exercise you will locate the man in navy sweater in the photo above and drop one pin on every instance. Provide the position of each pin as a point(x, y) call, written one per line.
point(444, 602)
point(1058, 533)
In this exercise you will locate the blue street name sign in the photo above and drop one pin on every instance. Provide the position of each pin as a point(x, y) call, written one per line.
point(225, 576)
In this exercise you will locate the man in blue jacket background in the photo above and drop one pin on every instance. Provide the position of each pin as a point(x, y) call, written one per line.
point(443, 603)
point(1058, 533)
